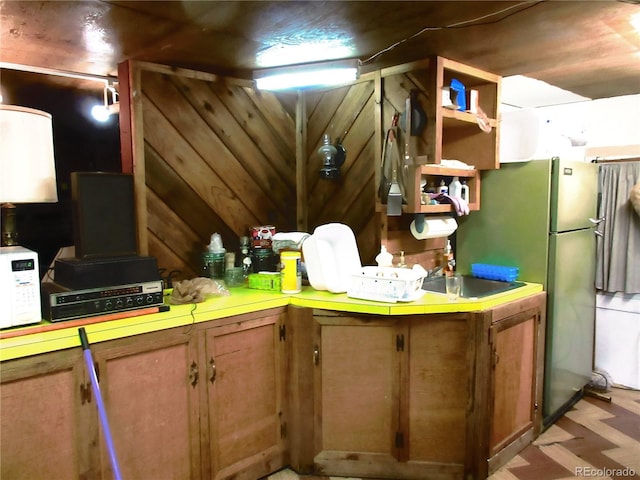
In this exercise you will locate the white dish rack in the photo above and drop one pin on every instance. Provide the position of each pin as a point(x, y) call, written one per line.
point(387, 284)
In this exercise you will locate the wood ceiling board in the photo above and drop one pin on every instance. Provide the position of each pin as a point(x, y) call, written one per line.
point(227, 36)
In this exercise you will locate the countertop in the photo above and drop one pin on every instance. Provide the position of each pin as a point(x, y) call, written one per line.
point(31, 340)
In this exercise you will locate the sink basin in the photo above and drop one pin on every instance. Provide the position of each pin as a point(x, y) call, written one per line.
point(472, 287)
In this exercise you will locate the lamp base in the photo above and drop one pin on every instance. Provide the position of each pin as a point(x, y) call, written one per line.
point(9, 231)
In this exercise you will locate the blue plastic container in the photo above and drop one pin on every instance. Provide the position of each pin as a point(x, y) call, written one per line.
point(494, 272)
point(458, 94)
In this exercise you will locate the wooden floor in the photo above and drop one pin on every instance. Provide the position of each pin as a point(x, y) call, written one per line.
point(594, 440)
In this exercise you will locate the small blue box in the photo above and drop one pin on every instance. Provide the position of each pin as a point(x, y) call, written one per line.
point(458, 94)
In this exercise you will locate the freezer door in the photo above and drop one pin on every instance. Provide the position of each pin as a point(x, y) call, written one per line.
point(574, 194)
point(570, 317)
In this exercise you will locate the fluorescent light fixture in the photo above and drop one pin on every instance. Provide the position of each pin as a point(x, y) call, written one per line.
point(307, 75)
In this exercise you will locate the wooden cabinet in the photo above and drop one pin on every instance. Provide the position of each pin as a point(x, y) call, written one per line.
point(447, 134)
point(384, 390)
point(357, 401)
point(511, 379)
point(245, 385)
point(421, 396)
point(440, 352)
point(149, 384)
point(204, 401)
point(447, 396)
point(48, 418)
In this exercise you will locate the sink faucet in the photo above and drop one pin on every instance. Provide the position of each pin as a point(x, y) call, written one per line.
point(434, 271)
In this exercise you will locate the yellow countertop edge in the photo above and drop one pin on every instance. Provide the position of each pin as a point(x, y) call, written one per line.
point(427, 304)
point(241, 301)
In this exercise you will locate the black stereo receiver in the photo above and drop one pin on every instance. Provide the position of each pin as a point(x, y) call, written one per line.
point(60, 303)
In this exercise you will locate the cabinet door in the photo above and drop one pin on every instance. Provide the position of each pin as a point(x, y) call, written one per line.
point(48, 420)
point(245, 374)
point(149, 387)
point(514, 379)
point(357, 379)
point(438, 389)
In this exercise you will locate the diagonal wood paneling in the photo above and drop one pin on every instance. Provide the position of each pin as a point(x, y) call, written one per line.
point(218, 158)
point(346, 113)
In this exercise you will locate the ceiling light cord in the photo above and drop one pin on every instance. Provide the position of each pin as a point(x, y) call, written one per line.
point(461, 24)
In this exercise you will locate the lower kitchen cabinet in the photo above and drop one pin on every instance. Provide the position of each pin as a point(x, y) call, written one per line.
point(510, 373)
point(149, 384)
point(47, 418)
point(245, 391)
point(447, 396)
point(356, 375)
point(202, 401)
point(440, 351)
point(443, 396)
point(390, 394)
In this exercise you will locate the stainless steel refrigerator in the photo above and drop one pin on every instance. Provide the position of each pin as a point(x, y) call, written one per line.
point(539, 216)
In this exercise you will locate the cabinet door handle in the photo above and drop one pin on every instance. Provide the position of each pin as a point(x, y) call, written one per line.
point(212, 364)
point(193, 374)
point(316, 355)
point(85, 393)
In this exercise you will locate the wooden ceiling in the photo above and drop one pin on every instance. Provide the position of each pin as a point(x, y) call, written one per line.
point(587, 47)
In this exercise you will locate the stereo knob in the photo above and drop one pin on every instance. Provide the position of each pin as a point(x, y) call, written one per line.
point(149, 298)
point(129, 302)
point(119, 303)
point(139, 300)
point(108, 305)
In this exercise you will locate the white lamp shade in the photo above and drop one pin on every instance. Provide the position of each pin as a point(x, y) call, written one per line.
point(27, 165)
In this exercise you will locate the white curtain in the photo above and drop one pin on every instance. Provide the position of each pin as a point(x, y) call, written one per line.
point(618, 250)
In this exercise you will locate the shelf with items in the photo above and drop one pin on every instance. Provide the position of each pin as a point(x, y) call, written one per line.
point(461, 135)
point(443, 133)
point(434, 174)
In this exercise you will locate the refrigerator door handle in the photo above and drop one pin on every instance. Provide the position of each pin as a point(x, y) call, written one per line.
point(599, 234)
point(597, 221)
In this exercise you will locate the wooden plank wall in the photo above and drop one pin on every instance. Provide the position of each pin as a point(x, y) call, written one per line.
point(346, 113)
point(219, 156)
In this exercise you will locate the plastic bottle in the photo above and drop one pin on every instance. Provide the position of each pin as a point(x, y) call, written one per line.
point(455, 187)
point(449, 262)
point(464, 191)
point(443, 188)
point(402, 262)
point(384, 258)
point(214, 262)
point(290, 273)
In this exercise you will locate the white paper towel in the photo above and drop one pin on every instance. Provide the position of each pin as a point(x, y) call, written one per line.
point(434, 227)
